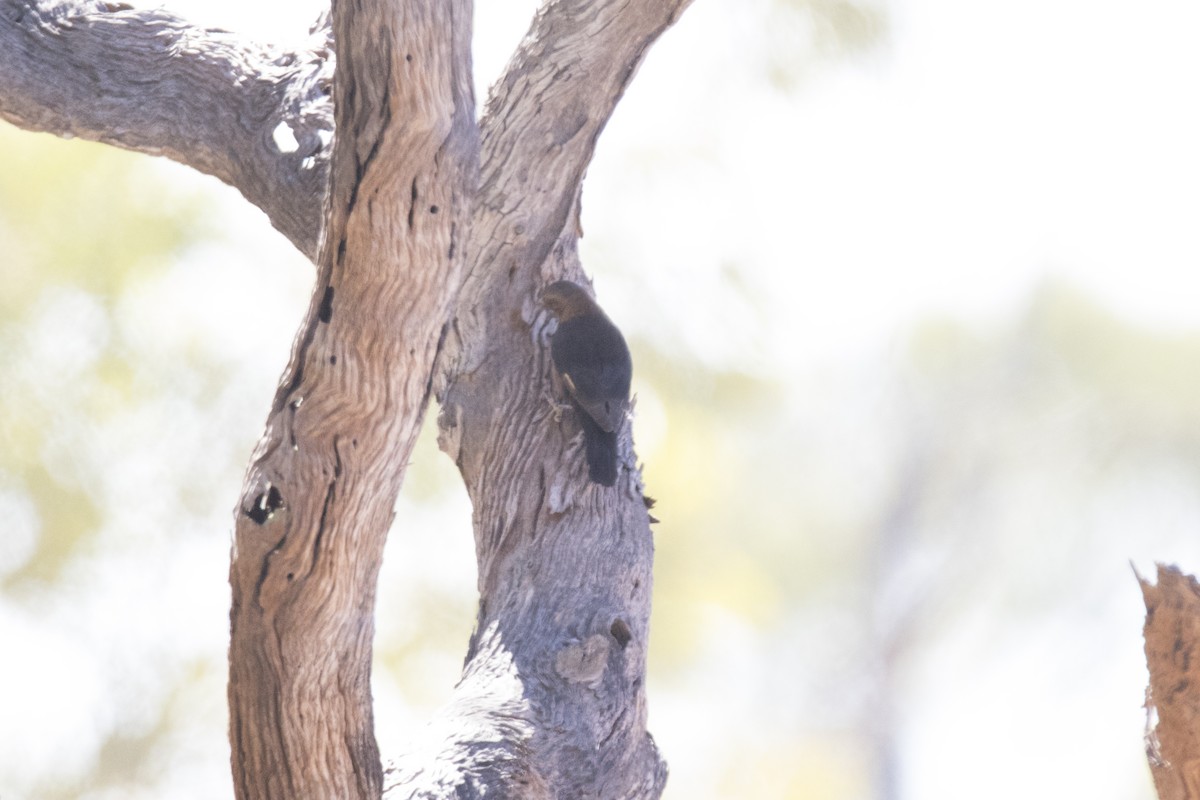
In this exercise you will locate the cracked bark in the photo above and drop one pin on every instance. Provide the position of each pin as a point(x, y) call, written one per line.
point(349, 407)
point(437, 235)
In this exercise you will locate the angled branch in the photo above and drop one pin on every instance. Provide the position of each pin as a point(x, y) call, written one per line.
point(145, 80)
point(543, 118)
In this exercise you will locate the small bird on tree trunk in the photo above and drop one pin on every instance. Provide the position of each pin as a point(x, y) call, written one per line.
point(590, 354)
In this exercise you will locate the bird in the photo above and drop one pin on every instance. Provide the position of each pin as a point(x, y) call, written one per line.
point(590, 354)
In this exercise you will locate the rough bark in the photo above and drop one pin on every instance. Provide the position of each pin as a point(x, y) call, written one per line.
point(1172, 634)
point(319, 496)
point(564, 565)
point(145, 80)
point(551, 702)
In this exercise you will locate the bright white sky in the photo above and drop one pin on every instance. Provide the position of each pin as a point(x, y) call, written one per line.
point(986, 148)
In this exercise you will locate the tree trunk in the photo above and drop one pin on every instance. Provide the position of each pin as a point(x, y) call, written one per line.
point(424, 206)
point(317, 501)
point(1172, 636)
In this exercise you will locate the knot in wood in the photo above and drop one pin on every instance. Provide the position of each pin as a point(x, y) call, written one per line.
point(583, 662)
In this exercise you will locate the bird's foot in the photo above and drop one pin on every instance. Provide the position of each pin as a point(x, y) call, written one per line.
point(556, 407)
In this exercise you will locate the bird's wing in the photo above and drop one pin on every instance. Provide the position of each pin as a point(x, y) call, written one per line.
point(608, 412)
point(592, 357)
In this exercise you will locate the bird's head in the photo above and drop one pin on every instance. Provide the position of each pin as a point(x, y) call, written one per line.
point(567, 300)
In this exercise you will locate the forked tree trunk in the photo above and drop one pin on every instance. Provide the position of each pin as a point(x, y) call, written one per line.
point(437, 235)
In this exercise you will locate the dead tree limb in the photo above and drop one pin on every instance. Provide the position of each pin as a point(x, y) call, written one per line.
point(564, 565)
point(146, 80)
point(319, 496)
point(552, 699)
point(1172, 634)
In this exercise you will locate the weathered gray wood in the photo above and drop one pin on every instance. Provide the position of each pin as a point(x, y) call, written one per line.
point(319, 496)
point(552, 700)
point(145, 80)
point(557, 662)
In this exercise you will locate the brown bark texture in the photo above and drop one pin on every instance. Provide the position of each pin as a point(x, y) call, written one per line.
point(436, 233)
point(318, 499)
point(1172, 635)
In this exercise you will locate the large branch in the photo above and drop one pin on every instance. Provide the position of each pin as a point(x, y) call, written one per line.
point(319, 496)
point(147, 81)
point(552, 701)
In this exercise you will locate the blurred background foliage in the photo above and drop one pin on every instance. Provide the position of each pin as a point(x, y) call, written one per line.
point(61, 365)
point(882, 569)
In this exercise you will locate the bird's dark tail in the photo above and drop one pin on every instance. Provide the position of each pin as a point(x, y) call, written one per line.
point(601, 447)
